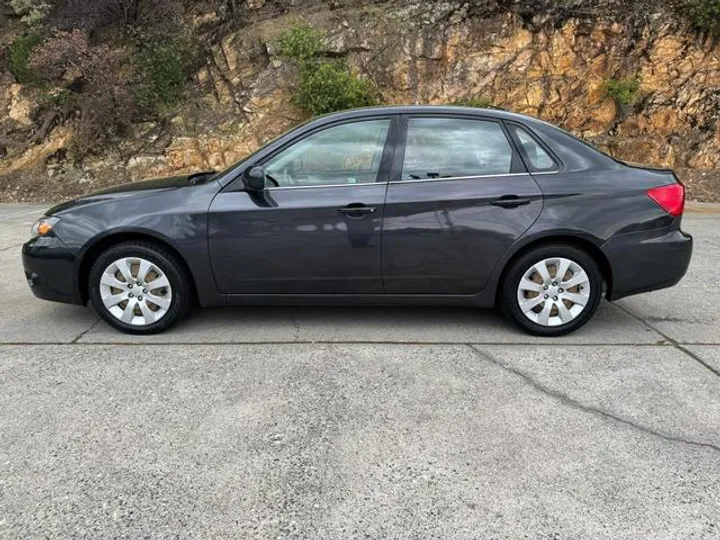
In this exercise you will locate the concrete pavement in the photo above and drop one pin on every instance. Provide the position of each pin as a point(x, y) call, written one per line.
point(362, 423)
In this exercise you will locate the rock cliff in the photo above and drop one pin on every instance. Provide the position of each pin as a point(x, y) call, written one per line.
point(553, 64)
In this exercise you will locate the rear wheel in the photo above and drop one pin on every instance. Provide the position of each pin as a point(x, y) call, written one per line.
point(552, 290)
point(139, 288)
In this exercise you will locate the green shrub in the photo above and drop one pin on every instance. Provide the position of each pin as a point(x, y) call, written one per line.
point(164, 64)
point(301, 43)
point(329, 86)
point(33, 11)
point(477, 101)
point(325, 85)
point(703, 14)
point(625, 91)
point(20, 52)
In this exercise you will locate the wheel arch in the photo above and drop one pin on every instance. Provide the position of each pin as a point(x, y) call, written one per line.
point(580, 242)
point(101, 244)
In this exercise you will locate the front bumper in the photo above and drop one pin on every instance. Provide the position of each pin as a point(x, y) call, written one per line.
point(646, 261)
point(50, 269)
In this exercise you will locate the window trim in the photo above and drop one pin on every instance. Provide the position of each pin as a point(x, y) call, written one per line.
point(557, 162)
point(385, 156)
point(517, 164)
point(278, 188)
point(455, 178)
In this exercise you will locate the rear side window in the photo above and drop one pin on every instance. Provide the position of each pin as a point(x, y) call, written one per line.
point(537, 157)
point(455, 148)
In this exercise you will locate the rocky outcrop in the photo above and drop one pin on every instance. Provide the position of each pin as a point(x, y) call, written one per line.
point(542, 65)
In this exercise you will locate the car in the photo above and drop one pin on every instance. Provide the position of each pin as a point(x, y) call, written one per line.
point(431, 205)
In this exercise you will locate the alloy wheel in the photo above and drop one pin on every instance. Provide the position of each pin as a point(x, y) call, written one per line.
point(135, 291)
point(553, 292)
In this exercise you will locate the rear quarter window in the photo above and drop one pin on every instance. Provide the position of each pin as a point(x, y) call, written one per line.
point(536, 157)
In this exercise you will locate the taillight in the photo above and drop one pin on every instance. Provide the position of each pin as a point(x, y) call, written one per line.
point(670, 198)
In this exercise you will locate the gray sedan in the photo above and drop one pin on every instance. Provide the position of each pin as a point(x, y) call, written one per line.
point(396, 205)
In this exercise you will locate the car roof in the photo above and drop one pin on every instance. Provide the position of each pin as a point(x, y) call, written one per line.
point(426, 109)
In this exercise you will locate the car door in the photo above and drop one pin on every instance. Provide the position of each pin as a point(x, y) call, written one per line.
point(316, 227)
point(460, 196)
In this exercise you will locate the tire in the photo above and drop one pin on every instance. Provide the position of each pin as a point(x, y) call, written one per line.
point(572, 300)
point(130, 307)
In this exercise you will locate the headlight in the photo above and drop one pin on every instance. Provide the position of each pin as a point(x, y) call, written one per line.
point(43, 226)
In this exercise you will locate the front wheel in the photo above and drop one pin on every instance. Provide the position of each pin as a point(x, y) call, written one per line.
point(552, 290)
point(139, 288)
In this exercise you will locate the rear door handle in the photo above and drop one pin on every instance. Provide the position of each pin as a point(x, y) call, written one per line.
point(357, 210)
point(510, 201)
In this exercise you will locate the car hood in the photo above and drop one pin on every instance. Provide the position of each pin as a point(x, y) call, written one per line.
point(133, 189)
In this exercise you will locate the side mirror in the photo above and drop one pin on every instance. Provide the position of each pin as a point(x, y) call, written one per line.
point(255, 178)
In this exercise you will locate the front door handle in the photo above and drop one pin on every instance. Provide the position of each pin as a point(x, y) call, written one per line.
point(357, 210)
point(510, 201)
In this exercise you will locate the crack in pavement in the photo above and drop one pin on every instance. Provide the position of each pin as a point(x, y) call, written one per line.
point(575, 404)
point(84, 332)
point(675, 343)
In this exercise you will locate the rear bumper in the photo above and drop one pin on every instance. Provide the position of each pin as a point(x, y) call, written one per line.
point(50, 269)
point(647, 261)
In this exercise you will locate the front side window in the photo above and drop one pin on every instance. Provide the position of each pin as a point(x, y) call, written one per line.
point(455, 148)
point(539, 159)
point(345, 154)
